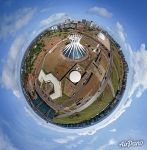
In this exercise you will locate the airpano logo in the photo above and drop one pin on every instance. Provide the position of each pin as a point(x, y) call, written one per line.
point(131, 143)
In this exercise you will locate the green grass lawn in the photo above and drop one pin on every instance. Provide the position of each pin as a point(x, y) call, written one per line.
point(119, 68)
point(118, 62)
point(114, 79)
point(94, 109)
point(33, 53)
point(63, 35)
point(62, 99)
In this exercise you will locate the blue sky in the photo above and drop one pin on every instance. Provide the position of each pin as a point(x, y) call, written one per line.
point(21, 21)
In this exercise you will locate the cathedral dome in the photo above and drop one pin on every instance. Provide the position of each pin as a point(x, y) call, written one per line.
point(74, 50)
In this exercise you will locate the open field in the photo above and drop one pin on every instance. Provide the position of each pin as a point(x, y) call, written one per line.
point(117, 69)
point(62, 99)
point(97, 107)
point(104, 62)
point(114, 79)
point(88, 42)
point(118, 62)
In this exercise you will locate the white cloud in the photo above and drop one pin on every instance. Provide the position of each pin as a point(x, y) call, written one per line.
point(54, 19)
point(11, 23)
point(5, 143)
point(9, 77)
point(100, 11)
point(138, 61)
point(73, 145)
point(110, 143)
point(120, 31)
point(69, 141)
point(139, 66)
point(61, 141)
point(66, 139)
point(29, 113)
point(113, 130)
point(89, 131)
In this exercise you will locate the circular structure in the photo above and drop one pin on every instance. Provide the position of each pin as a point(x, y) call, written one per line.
point(74, 74)
point(74, 50)
point(101, 36)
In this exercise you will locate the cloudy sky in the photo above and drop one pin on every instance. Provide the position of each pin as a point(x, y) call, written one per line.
point(21, 21)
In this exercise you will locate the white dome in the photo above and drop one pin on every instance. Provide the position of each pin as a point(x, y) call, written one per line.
point(101, 36)
point(75, 76)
